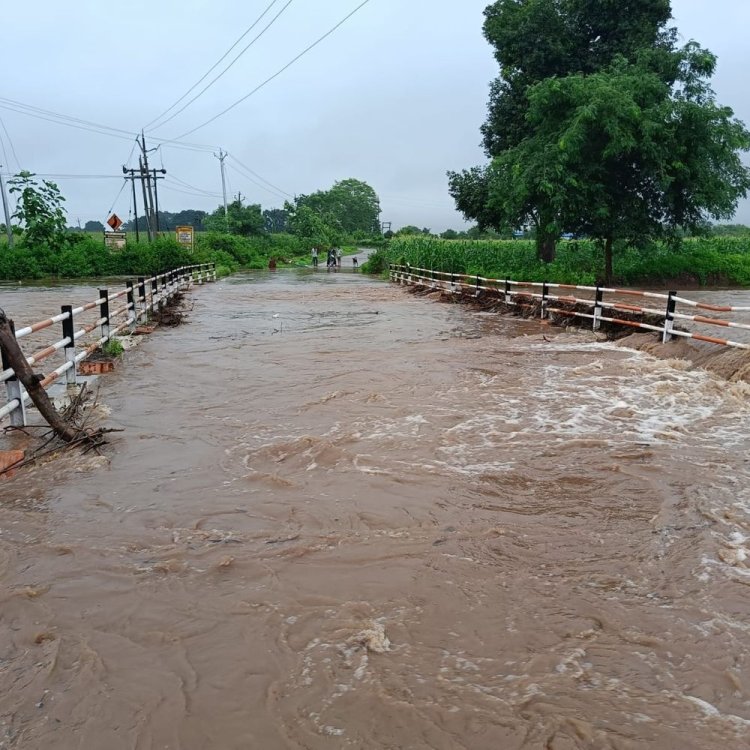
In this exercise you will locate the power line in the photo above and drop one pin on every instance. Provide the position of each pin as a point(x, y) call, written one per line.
point(275, 75)
point(255, 182)
point(262, 179)
point(217, 63)
point(75, 122)
point(117, 197)
point(78, 176)
point(167, 186)
point(69, 124)
point(12, 147)
point(6, 161)
point(192, 187)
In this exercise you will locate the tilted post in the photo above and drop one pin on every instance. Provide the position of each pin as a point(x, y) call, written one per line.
point(104, 312)
point(13, 387)
point(669, 317)
point(69, 332)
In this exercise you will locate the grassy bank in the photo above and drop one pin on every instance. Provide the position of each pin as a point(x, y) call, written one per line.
point(84, 256)
point(701, 261)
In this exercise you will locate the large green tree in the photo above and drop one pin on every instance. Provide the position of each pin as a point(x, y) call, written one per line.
point(350, 206)
point(239, 219)
point(626, 155)
point(571, 126)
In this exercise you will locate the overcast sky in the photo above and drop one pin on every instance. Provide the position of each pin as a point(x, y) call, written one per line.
point(394, 97)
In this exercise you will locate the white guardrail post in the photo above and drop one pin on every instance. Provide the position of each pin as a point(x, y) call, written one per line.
point(596, 324)
point(14, 390)
point(69, 333)
point(669, 317)
point(131, 314)
point(142, 305)
point(154, 292)
point(104, 312)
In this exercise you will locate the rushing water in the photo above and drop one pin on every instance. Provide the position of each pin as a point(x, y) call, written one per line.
point(341, 516)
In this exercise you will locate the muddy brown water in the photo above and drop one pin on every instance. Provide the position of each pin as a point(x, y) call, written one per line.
point(344, 517)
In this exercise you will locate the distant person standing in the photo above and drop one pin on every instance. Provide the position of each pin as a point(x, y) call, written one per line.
point(331, 259)
point(315, 257)
point(355, 262)
point(339, 255)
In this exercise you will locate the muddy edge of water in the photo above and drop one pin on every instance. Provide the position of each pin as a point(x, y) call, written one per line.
point(342, 516)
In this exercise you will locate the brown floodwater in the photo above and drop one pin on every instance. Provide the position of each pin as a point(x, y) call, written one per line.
point(341, 516)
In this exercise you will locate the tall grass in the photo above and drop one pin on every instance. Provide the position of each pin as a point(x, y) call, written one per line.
point(712, 260)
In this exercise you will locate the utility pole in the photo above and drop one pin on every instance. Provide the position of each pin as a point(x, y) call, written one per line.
point(130, 175)
point(6, 209)
point(147, 209)
point(151, 216)
point(156, 194)
point(154, 224)
point(221, 156)
point(150, 194)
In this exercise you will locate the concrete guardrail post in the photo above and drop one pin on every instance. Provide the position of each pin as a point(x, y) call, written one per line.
point(69, 332)
point(104, 313)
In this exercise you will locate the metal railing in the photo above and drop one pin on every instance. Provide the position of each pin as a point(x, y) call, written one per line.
point(136, 302)
point(597, 309)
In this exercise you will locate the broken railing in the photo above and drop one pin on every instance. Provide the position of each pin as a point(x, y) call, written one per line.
point(118, 312)
point(658, 313)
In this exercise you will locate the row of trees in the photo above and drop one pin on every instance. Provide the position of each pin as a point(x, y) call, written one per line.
point(600, 124)
point(350, 208)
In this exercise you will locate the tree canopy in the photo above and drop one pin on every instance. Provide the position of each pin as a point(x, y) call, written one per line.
point(350, 206)
point(240, 219)
point(600, 124)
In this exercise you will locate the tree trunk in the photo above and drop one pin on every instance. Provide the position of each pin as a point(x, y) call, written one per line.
point(608, 263)
point(546, 247)
point(30, 382)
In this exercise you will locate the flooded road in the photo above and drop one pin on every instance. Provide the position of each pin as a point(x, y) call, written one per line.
point(344, 517)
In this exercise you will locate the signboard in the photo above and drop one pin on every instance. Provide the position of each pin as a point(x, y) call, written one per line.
point(184, 236)
point(114, 222)
point(115, 240)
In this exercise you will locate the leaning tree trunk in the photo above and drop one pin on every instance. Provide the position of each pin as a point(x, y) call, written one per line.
point(30, 382)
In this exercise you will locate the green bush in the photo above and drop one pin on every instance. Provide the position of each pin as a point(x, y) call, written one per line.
point(377, 263)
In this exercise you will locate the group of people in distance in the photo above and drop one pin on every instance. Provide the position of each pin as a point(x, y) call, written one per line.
point(333, 259)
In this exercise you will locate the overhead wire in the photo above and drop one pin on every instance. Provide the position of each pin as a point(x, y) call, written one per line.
point(256, 183)
point(168, 186)
point(213, 67)
point(274, 76)
point(6, 161)
point(12, 146)
point(58, 118)
point(223, 72)
point(260, 177)
point(192, 187)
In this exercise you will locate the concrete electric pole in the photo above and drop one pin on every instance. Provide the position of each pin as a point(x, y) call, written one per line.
point(6, 208)
point(221, 156)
